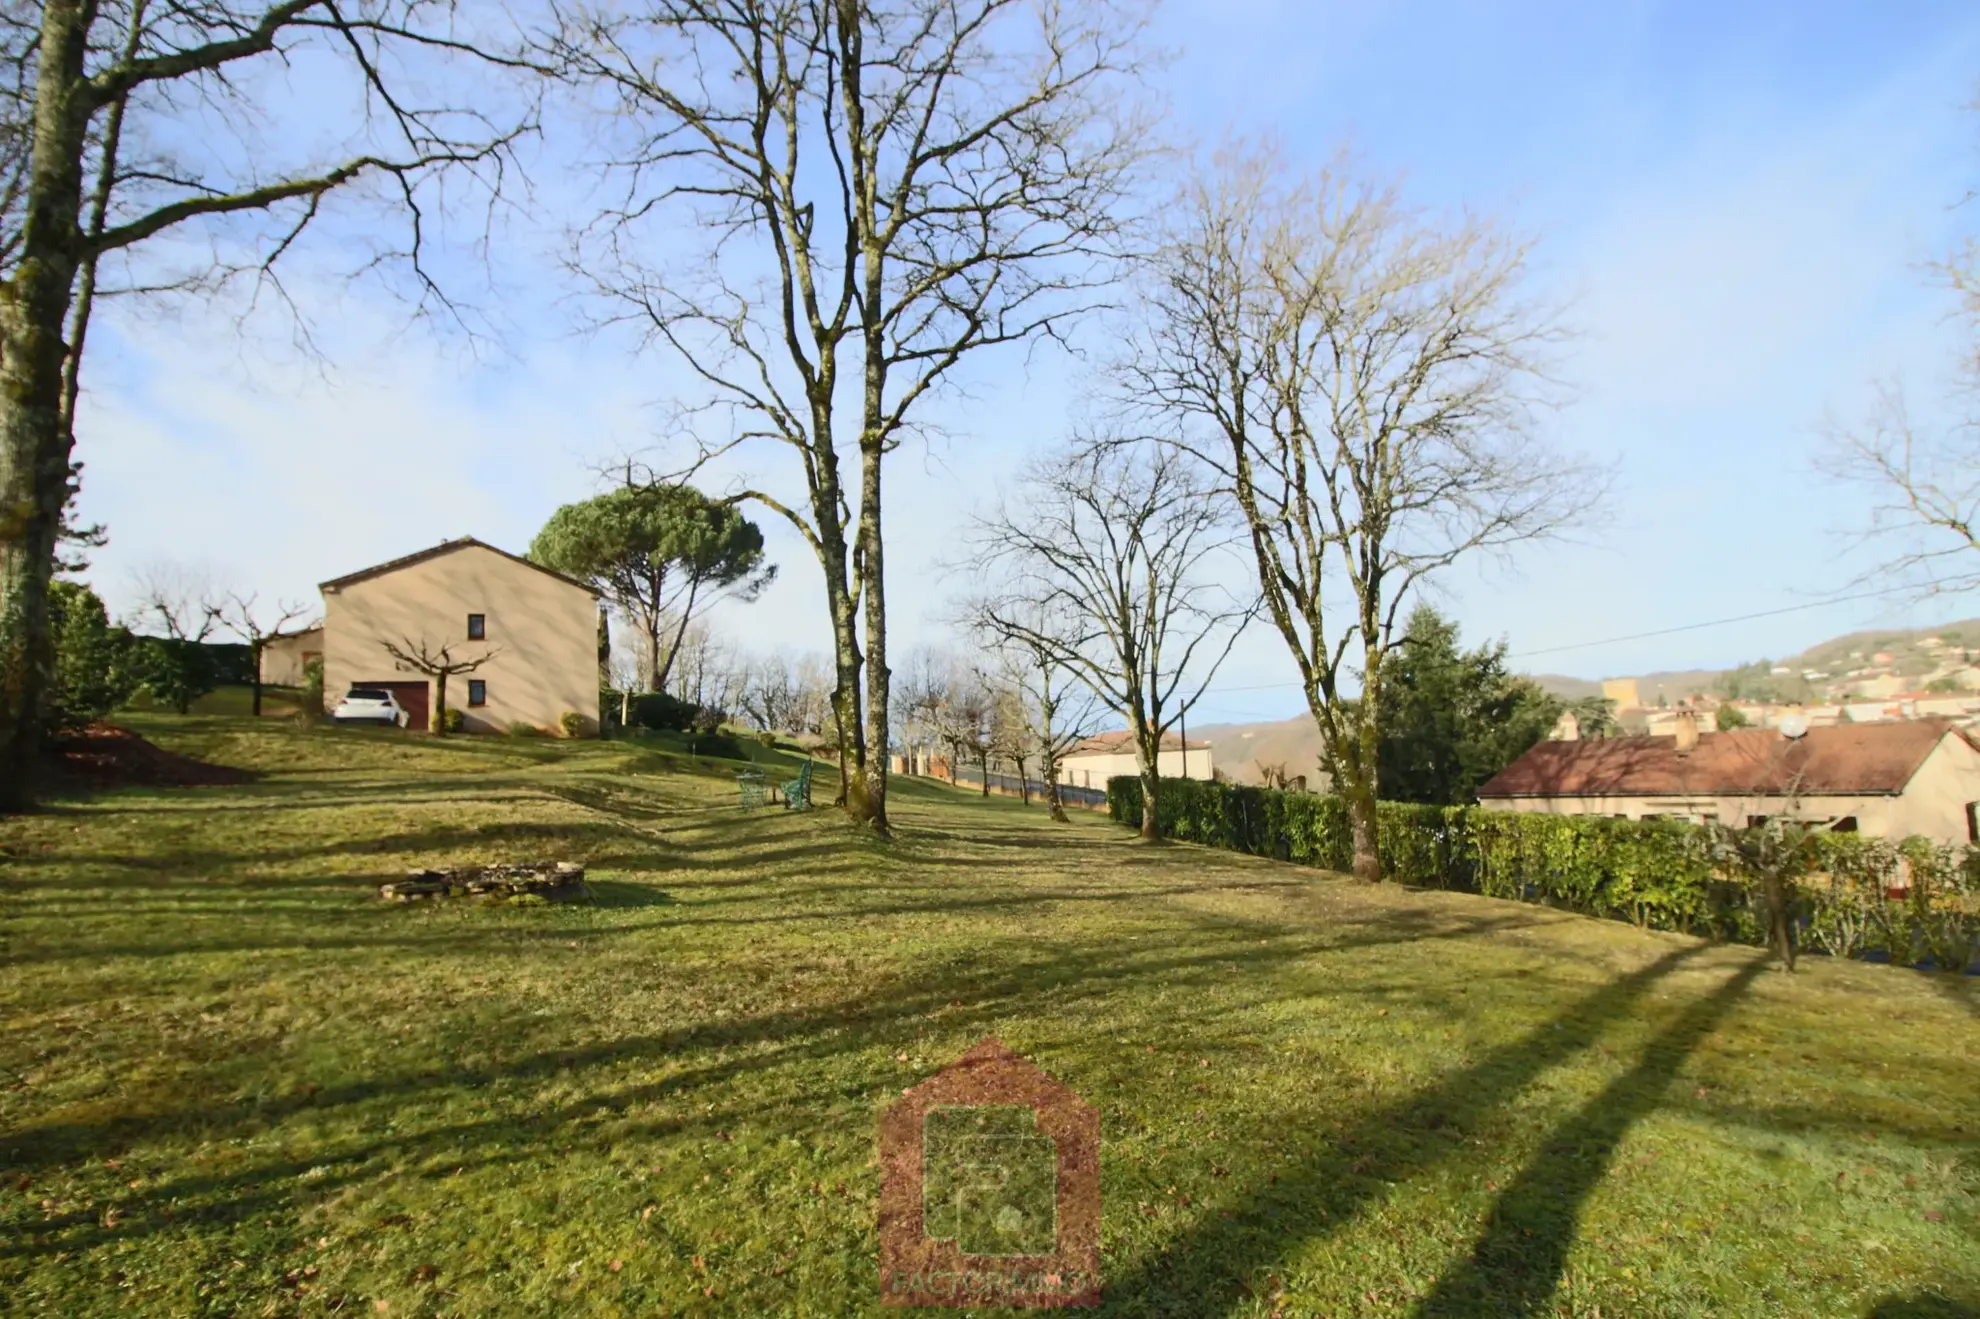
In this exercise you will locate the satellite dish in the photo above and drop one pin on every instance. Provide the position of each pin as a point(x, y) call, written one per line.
point(1794, 725)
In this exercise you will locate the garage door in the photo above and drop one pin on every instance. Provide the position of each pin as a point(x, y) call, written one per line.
point(410, 695)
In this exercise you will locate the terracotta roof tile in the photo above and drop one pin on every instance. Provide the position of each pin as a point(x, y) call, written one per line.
point(1843, 758)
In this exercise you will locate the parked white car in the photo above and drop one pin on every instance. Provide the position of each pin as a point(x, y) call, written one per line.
point(370, 705)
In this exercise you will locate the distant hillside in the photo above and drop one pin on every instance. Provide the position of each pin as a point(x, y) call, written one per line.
point(1238, 749)
point(1568, 689)
point(1835, 658)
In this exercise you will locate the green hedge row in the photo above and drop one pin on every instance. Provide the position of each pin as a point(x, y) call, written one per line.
point(1912, 901)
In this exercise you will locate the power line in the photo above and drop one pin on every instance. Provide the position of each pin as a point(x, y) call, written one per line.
point(1716, 622)
point(1659, 632)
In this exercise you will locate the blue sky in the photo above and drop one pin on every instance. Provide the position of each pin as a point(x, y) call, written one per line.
point(1737, 200)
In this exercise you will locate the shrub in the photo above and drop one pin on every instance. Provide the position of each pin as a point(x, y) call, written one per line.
point(454, 720)
point(311, 707)
point(1914, 900)
point(719, 745)
point(573, 724)
point(175, 672)
point(662, 712)
point(523, 728)
point(765, 737)
point(707, 719)
point(91, 674)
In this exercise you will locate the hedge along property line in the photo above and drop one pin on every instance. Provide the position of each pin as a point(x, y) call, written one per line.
point(1915, 901)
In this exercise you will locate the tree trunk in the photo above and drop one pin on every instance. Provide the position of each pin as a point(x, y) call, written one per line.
point(438, 725)
point(663, 669)
point(1362, 828)
point(34, 444)
point(869, 804)
point(846, 710)
point(1780, 932)
point(1366, 790)
point(1149, 782)
point(1055, 807)
point(983, 768)
point(254, 658)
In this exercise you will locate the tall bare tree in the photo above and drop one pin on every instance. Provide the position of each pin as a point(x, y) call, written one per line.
point(1103, 559)
point(1923, 473)
point(886, 187)
point(1924, 483)
point(131, 121)
point(1363, 381)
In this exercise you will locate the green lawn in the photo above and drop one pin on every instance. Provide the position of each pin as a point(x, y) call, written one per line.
point(232, 1083)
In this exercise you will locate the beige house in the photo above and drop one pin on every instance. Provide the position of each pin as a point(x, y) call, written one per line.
point(286, 655)
point(1092, 762)
point(537, 628)
point(1890, 780)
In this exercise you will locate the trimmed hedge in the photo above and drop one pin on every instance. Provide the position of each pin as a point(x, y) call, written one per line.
point(1913, 901)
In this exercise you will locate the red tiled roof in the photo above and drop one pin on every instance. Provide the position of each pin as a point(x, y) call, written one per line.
point(445, 547)
point(1851, 759)
point(1122, 742)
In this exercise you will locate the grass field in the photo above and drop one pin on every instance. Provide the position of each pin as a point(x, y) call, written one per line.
point(233, 1083)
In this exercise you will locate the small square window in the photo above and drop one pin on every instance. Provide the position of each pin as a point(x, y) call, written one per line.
point(477, 627)
point(477, 692)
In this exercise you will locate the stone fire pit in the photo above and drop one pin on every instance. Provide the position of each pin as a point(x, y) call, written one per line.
point(546, 881)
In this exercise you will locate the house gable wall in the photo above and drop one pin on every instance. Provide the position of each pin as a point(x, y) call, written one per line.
point(544, 632)
point(1934, 802)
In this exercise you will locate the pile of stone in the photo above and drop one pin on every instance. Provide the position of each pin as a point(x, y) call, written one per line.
point(548, 881)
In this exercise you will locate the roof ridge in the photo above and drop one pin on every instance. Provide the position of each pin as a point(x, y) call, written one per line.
point(448, 547)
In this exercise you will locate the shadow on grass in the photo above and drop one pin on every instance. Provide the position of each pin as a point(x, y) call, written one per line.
point(968, 995)
point(1519, 1259)
point(1207, 1270)
point(1925, 1305)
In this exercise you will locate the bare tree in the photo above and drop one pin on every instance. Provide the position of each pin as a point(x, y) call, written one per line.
point(887, 187)
point(180, 602)
point(1101, 559)
point(1363, 380)
point(438, 663)
point(962, 721)
point(920, 686)
point(239, 615)
point(1924, 482)
point(1010, 738)
point(130, 120)
point(1060, 711)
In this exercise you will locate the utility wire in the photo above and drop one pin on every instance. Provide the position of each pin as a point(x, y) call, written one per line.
point(1659, 632)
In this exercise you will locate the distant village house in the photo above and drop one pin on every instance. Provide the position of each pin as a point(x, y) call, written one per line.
point(1092, 762)
point(1892, 780)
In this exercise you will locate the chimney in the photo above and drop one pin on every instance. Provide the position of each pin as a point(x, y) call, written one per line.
point(1567, 728)
point(1687, 731)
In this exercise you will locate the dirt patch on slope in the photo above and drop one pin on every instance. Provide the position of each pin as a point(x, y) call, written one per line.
point(109, 756)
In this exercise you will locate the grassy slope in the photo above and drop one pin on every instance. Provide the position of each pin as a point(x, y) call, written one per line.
point(231, 1083)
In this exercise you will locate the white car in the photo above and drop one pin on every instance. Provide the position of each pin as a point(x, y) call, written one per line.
point(370, 705)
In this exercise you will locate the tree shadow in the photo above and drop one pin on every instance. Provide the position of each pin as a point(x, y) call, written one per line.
point(1204, 1272)
point(1521, 1256)
point(1924, 1305)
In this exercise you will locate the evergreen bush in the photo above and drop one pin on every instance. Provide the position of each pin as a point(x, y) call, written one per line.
point(1913, 900)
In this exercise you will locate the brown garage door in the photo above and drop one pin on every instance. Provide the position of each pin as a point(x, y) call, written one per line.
point(410, 695)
